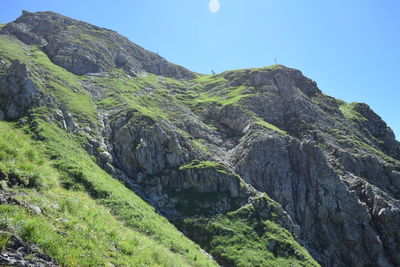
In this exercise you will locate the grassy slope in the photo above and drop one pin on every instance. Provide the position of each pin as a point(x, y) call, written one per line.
point(96, 222)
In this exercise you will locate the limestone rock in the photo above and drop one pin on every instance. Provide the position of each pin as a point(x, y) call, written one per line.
point(20, 253)
point(100, 49)
point(18, 92)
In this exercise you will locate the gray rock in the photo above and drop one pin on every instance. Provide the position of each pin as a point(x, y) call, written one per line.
point(70, 122)
point(20, 253)
point(298, 177)
point(58, 36)
point(105, 157)
point(18, 92)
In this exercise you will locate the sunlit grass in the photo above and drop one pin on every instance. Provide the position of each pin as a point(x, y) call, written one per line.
point(95, 224)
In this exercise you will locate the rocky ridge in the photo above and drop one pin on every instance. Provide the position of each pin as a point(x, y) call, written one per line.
point(83, 48)
point(268, 139)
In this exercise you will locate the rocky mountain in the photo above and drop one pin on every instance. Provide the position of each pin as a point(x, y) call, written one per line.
point(257, 166)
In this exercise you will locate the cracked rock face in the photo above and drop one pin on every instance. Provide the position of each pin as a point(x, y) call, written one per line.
point(18, 91)
point(297, 176)
point(154, 153)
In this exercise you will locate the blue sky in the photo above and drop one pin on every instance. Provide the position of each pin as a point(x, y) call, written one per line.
point(350, 48)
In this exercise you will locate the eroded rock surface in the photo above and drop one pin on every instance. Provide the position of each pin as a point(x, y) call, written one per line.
point(20, 253)
point(84, 48)
point(17, 91)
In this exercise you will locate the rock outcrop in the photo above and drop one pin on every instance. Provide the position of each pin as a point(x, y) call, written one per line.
point(17, 91)
point(20, 253)
point(84, 48)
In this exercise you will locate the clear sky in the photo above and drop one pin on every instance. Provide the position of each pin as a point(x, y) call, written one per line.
point(350, 48)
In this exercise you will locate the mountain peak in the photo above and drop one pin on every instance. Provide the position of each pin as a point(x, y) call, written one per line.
point(83, 48)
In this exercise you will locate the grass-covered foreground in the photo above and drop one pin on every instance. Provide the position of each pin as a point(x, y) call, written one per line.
point(96, 222)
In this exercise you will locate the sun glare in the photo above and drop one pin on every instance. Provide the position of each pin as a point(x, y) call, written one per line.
point(214, 6)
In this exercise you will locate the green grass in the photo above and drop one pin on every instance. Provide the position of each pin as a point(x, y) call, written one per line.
point(198, 145)
point(142, 93)
point(4, 238)
point(22, 165)
point(241, 238)
point(269, 126)
point(210, 80)
point(273, 67)
point(202, 165)
point(219, 167)
point(359, 143)
point(12, 50)
point(343, 136)
point(215, 89)
point(349, 112)
point(224, 96)
point(89, 219)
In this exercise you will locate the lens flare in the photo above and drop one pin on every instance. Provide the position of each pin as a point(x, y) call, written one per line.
point(214, 6)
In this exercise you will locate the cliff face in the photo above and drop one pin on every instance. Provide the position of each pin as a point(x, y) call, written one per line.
point(255, 158)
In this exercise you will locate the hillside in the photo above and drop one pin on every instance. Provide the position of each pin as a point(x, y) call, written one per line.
point(107, 147)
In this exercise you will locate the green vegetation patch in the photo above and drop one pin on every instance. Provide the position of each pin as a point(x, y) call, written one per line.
point(269, 126)
point(225, 96)
point(211, 80)
point(359, 143)
point(199, 145)
point(22, 165)
point(4, 238)
point(12, 49)
point(343, 136)
point(349, 112)
point(242, 238)
point(146, 94)
point(219, 167)
point(196, 164)
point(215, 89)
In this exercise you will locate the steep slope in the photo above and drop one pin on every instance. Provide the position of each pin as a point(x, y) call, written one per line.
point(257, 166)
point(75, 212)
point(83, 48)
